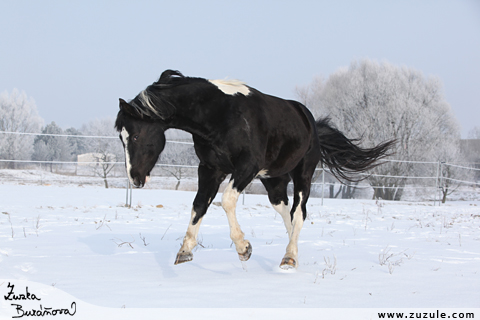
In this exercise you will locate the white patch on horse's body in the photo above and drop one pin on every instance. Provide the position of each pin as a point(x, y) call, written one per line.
point(263, 173)
point(124, 134)
point(231, 87)
point(229, 203)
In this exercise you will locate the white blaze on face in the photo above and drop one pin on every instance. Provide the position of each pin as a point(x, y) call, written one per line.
point(231, 87)
point(124, 134)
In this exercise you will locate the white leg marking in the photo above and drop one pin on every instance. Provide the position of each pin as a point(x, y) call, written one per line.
point(284, 211)
point(190, 239)
point(231, 87)
point(297, 224)
point(124, 134)
point(229, 203)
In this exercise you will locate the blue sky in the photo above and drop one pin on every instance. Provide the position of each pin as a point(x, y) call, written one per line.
point(76, 58)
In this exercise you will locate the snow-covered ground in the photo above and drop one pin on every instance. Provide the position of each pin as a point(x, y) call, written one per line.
point(83, 241)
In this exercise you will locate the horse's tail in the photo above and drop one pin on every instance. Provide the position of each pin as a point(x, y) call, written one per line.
point(342, 156)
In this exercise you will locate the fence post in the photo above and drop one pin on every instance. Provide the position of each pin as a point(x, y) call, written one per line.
point(126, 196)
point(441, 183)
point(436, 185)
point(128, 200)
point(323, 181)
point(131, 193)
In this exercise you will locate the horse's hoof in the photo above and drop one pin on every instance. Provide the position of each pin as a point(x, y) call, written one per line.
point(246, 255)
point(183, 257)
point(288, 263)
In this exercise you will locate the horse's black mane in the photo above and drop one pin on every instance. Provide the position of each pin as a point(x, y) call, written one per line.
point(171, 78)
point(153, 103)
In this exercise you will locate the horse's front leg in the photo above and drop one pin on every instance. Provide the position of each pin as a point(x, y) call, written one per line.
point(229, 203)
point(209, 180)
point(189, 241)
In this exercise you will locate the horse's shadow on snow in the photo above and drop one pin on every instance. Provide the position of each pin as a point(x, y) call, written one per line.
point(218, 261)
point(112, 244)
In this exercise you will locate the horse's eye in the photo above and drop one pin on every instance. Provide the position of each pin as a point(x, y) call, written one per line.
point(135, 138)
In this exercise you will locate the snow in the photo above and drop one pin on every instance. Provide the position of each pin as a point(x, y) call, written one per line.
point(83, 242)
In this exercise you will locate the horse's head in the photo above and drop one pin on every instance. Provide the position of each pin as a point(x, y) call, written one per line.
point(143, 141)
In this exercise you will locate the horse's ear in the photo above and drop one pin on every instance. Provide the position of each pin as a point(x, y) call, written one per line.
point(122, 102)
point(128, 109)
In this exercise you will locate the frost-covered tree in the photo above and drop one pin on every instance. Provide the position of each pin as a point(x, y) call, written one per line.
point(378, 102)
point(18, 113)
point(100, 128)
point(49, 147)
point(474, 133)
point(471, 147)
point(77, 145)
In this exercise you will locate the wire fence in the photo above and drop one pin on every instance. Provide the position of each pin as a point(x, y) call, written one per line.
point(425, 181)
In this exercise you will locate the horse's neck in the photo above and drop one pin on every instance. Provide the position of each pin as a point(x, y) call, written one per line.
point(193, 118)
point(190, 121)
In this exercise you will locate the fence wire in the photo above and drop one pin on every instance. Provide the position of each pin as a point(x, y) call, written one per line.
point(417, 186)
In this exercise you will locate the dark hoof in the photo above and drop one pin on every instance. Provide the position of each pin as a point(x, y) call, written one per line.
point(183, 257)
point(288, 263)
point(246, 255)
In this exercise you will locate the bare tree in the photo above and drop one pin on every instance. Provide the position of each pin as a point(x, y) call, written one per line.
point(18, 113)
point(178, 153)
point(377, 102)
point(105, 162)
point(177, 172)
point(104, 151)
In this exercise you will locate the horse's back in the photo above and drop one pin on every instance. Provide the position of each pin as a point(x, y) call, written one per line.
point(288, 129)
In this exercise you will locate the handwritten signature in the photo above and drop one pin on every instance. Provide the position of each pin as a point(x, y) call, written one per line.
point(39, 312)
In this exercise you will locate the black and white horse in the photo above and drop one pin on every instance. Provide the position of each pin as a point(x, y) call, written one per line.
point(240, 131)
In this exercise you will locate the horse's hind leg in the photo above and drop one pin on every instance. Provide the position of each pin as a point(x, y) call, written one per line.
point(290, 260)
point(302, 178)
point(277, 194)
point(208, 182)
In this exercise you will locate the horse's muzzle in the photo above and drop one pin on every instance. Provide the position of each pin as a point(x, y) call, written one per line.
point(138, 183)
